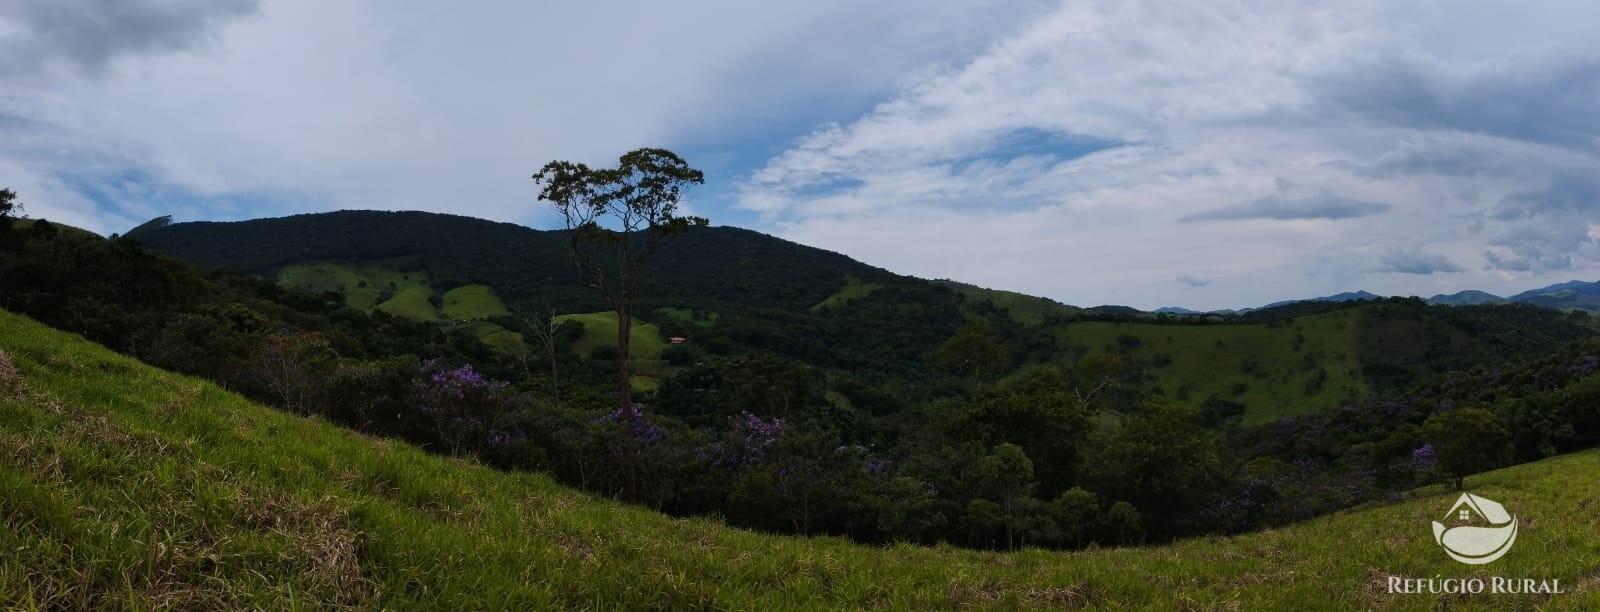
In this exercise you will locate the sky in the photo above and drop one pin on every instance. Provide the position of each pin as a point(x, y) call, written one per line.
point(1217, 154)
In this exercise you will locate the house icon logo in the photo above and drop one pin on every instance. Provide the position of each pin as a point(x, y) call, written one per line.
point(1470, 540)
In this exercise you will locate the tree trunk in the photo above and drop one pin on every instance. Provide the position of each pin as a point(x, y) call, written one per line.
point(625, 387)
point(555, 382)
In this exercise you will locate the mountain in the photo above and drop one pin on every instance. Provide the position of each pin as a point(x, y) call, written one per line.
point(735, 292)
point(1348, 296)
point(1115, 309)
point(1175, 310)
point(526, 267)
point(1571, 295)
point(175, 493)
point(1577, 286)
point(1470, 297)
point(732, 291)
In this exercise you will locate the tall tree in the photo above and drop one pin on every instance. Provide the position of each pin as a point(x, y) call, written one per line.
point(615, 217)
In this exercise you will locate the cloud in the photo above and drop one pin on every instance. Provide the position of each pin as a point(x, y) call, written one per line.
point(90, 34)
point(1278, 208)
point(1407, 123)
point(1566, 193)
point(311, 106)
point(1537, 247)
point(1412, 260)
point(1193, 281)
point(1544, 94)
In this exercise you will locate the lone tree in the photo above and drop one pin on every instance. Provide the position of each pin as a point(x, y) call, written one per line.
point(1469, 440)
point(615, 217)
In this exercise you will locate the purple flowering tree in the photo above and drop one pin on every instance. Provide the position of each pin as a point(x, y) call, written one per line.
point(464, 408)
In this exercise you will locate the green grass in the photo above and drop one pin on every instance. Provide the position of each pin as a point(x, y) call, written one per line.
point(644, 343)
point(853, 288)
point(365, 286)
point(1276, 365)
point(415, 303)
point(379, 286)
point(497, 337)
point(473, 302)
point(1025, 309)
point(122, 486)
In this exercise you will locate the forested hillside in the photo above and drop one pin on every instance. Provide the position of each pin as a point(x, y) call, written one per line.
point(890, 409)
point(124, 486)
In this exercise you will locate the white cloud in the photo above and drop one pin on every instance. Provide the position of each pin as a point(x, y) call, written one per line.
point(1044, 147)
point(409, 105)
point(1288, 125)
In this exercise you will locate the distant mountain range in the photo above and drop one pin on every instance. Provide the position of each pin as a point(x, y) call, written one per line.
point(456, 250)
point(1570, 295)
point(1348, 296)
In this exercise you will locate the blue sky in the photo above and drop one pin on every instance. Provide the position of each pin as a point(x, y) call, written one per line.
point(1208, 155)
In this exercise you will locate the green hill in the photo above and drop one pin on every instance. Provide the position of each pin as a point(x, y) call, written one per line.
point(1022, 307)
point(755, 293)
point(1274, 370)
point(122, 486)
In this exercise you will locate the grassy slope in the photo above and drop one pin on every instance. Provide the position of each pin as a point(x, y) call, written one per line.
point(364, 286)
point(473, 302)
point(496, 337)
point(379, 286)
point(1024, 308)
point(853, 288)
point(124, 486)
point(1208, 360)
point(645, 343)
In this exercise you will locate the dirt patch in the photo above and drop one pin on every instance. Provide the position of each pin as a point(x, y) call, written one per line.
point(326, 547)
point(1283, 577)
point(1080, 595)
point(11, 385)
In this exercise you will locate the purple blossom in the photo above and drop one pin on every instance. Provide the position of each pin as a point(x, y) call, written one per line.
point(645, 432)
point(1424, 457)
point(1586, 365)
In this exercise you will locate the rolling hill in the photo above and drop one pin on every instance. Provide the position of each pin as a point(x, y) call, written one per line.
point(739, 292)
point(1470, 297)
point(1571, 295)
point(1271, 370)
point(125, 486)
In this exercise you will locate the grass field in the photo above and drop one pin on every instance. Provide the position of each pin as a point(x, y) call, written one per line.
point(473, 302)
point(644, 342)
point(380, 286)
point(853, 288)
point(125, 487)
point(1024, 309)
point(1274, 370)
point(496, 337)
point(366, 286)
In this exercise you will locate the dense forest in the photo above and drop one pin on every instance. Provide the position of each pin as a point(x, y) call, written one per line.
point(913, 412)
